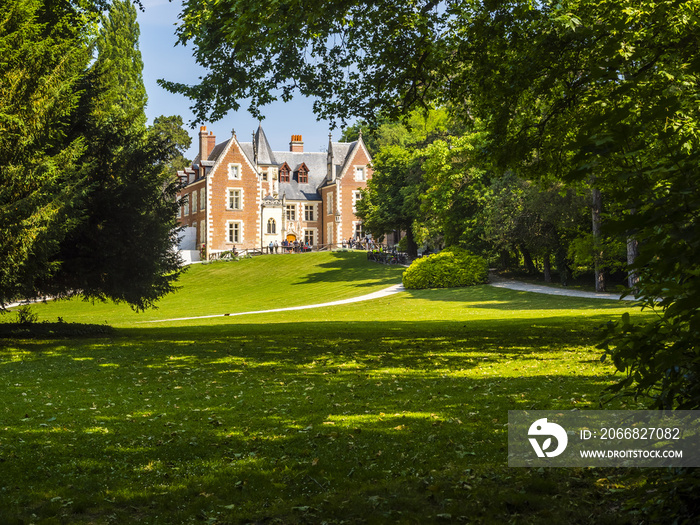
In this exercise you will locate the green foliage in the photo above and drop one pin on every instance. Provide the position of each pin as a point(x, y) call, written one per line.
point(456, 192)
point(177, 140)
point(392, 200)
point(84, 205)
point(450, 268)
point(339, 52)
point(43, 49)
point(119, 62)
point(25, 315)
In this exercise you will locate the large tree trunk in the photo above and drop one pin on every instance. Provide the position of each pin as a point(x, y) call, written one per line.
point(632, 253)
point(547, 268)
point(528, 260)
point(411, 246)
point(596, 212)
point(562, 267)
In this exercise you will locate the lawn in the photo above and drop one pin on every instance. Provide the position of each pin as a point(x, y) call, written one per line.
point(389, 411)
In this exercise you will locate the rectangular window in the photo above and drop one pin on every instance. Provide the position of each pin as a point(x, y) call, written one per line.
point(359, 231)
point(234, 171)
point(308, 212)
point(359, 173)
point(234, 199)
point(309, 237)
point(356, 196)
point(195, 201)
point(330, 204)
point(291, 212)
point(264, 175)
point(187, 204)
point(202, 199)
point(234, 232)
point(202, 233)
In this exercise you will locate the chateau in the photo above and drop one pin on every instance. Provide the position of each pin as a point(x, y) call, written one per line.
point(243, 195)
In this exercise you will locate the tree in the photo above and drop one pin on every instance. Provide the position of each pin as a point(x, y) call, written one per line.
point(457, 182)
point(392, 200)
point(119, 61)
point(171, 132)
point(44, 53)
point(85, 206)
point(353, 56)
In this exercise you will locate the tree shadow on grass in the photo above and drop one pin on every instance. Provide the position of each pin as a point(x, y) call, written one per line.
point(47, 330)
point(293, 422)
point(353, 266)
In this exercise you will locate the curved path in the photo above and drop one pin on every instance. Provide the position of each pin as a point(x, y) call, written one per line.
point(496, 282)
point(519, 286)
point(367, 297)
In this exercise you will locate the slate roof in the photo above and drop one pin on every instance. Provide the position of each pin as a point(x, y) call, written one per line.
point(316, 162)
point(265, 154)
point(218, 150)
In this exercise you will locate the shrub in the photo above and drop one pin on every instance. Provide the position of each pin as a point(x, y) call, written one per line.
point(25, 315)
point(450, 268)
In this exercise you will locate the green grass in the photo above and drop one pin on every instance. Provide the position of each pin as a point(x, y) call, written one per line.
point(259, 283)
point(389, 411)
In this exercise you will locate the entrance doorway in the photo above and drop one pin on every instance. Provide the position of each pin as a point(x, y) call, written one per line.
point(291, 237)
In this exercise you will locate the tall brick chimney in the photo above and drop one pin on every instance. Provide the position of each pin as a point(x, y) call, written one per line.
point(207, 141)
point(296, 145)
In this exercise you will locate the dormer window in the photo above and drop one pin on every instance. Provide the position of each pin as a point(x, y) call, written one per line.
point(285, 172)
point(303, 174)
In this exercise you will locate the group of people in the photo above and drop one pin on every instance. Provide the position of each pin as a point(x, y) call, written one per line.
point(360, 244)
point(366, 243)
point(288, 247)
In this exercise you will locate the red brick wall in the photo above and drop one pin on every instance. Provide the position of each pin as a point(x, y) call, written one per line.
point(249, 215)
point(348, 186)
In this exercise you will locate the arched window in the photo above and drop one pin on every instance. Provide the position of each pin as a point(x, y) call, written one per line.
point(271, 226)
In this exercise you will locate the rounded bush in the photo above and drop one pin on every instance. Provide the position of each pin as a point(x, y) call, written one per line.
point(450, 268)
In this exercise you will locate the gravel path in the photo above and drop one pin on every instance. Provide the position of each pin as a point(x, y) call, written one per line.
point(496, 282)
point(519, 286)
point(374, 295)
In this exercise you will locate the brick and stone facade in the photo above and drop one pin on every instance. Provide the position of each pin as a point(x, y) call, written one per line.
point(243, 195)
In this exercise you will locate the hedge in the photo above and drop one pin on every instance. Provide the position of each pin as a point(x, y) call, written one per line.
point(450, 268)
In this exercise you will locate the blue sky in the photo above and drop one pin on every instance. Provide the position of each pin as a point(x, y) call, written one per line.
point(162, 59)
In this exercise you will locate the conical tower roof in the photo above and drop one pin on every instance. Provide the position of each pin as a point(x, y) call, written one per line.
point(263, 149)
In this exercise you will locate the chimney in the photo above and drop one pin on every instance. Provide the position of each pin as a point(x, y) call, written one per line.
point(212, 142)
point(296, 145)
point(206, 143)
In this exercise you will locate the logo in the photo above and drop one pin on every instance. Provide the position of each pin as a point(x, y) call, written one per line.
point(542, 428)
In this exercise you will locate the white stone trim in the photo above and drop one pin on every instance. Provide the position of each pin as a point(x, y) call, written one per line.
point(239, 170)
point(330, 205)
point(241, 204)
point(354, 227)
point(240, 232)
point(314, 231)
point(314, 211)
point(356, 196)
